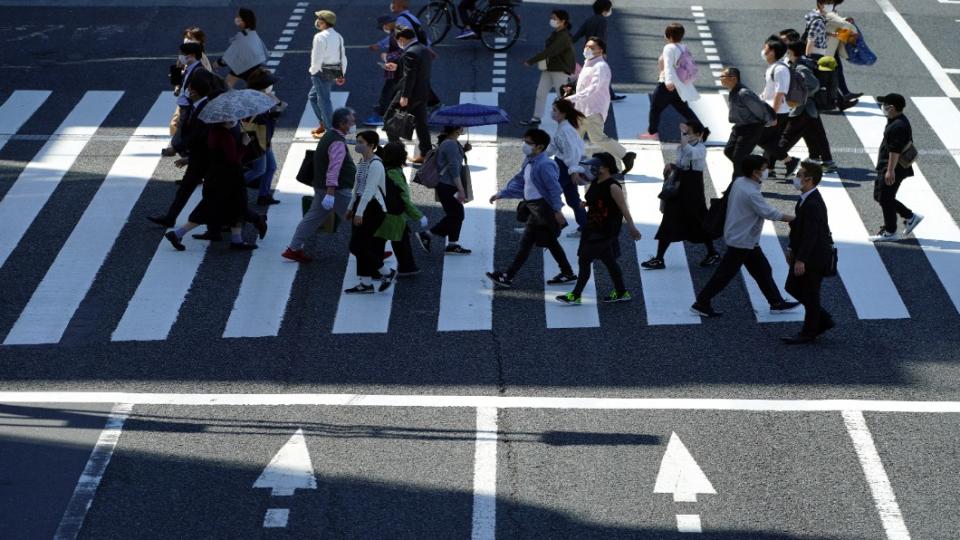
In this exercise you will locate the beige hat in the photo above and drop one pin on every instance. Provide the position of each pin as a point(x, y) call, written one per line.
point(327, 16)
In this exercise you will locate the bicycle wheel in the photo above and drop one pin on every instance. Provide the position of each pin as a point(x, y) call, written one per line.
point(436, 20)
point(500, 28)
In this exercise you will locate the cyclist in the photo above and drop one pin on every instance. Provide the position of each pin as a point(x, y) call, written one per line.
point(466, 9)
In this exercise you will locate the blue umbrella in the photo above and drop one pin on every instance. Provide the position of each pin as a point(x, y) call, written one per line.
point(469, 115)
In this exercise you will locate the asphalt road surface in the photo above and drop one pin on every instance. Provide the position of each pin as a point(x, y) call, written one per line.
point(148, 393)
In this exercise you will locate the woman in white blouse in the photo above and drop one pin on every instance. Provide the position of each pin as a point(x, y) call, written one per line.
point(671, 90)
point(367, 212)
point(567, 149)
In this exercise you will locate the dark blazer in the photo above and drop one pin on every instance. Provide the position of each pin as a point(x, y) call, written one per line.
point(810, 239)
point(415, 66)
point(193, 135)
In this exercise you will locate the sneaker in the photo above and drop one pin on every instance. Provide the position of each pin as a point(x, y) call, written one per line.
point(884, 236)
point(791, 166)
point(359, 289)
point(911, 224)
point(649, 137)
point(784, 307)
point(847, 104)
point(467, 33)
point(373, 120)
point(387, 255)
point(456, 249)
point(533, 122)
point(500, 278)
point(614, 297)
point(704, 310)
point(628, 160)
point(297, 255)
point(853, 95)
point(175, 240)
point(261, 225)
point(425, 240)
point(710, 260)
point(409, 273)
point(562, 278)
point(387, 279)
point(654, 264)
point(829, 166)
point(569, 299)
point(574, 234)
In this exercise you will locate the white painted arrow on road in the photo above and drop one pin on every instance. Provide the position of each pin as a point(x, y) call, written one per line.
point(679, 474)
point(290, 469)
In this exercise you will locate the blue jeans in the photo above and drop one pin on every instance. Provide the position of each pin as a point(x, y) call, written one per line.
point(319, 98)
point(262, 170)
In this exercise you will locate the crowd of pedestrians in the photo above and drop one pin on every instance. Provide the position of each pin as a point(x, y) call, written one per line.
point(367, 188)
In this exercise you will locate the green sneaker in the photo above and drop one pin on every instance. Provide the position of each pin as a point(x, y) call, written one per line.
point(614, 296)
point(569, 299)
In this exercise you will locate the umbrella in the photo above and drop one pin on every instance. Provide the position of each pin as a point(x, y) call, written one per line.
point(468, 115)
point(236, 104)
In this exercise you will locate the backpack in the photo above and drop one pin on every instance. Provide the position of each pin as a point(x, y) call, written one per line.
point(393, 198)
point(428, 175)
point(826, 97)
point(797, 94)
point(687, 69)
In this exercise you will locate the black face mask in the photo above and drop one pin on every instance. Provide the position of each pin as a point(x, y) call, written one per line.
point(595, 172)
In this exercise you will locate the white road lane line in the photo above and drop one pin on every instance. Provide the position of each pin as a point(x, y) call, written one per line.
point(668, 293)
point(466, 297)
point(276, 518)
point(485, 476)
point(17, 109)
point(261, 303)
point(938, 234)
point(86, 488)
point(689, 523)
point(915, 43)
point(883, 496)
point(71, 275)
point(557, 314)
point(33, 188)
point(497, 402)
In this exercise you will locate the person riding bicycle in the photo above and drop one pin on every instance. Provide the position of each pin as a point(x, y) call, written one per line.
point(467, 8)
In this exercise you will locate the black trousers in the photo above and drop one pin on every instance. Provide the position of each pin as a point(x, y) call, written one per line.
point(610, 261)
point(804, 127)
point(452, 220)
point(364, 245)
point(419, 111)
point(386, 96)
point(663, 98)
point(806, 289)
point(889, 204)
point(404, 253)
point(770, 138)
point(816, 140)
point(527, 241)
point(730, 264)
point(192, 178)
point(743, 139)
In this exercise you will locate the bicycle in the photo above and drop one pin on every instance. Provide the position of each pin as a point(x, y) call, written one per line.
point(495, 22)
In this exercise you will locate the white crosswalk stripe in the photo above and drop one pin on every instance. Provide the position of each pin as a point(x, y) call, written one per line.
point(17, 109)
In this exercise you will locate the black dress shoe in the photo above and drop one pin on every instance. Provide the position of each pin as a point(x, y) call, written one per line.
point(162, 221)
point(175, 241)
point(798, 339)
point(262, 225)
point(266, 201)
point(852, 96)
point(826, 326)
point(628, 160)
point(211, 236)
point(618, 97)
point(242, 246)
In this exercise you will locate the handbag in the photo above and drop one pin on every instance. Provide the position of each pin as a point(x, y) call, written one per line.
point(305, 174)
point(858, 53)
point(175, 75)
point(401, 124)
point(908, 156)
point(831, 269)
point(716, 216)
point(671, 185)
point(330, 224)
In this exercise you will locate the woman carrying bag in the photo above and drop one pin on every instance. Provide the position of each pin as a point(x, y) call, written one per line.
point(685, 209)
point(556, 63)
point(399, 209)
point(451, 191)
point(246, 52)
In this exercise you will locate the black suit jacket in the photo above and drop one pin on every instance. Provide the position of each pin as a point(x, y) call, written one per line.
point(415, 66)
point(810, 239)
point(193, 134)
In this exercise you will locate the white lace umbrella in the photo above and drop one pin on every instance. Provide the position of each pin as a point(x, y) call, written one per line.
point(235, 105)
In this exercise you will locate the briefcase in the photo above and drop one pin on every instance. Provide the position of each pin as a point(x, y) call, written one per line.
point(831, 270)
point(401, 124)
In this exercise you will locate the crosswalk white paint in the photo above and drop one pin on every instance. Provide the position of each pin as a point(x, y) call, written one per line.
point(557, 314)
point(466, 297)
point(668, 293)
point(21, 204)
point(938, 234)
point(265, 291)
point(17, 109)
point(70, 277)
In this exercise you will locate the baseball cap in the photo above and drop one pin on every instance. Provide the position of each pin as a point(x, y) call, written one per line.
point(898, 101)
point(827, 63)
point(385, 19)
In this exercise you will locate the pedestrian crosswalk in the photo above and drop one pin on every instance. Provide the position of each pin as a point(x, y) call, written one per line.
point(260, 303)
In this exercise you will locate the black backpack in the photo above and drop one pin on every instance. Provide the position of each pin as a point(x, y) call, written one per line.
point(393, 198)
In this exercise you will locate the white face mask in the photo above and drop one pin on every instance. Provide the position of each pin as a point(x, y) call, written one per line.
point(556, 116)
point(608, 12)
point(387, 31)
point(554, 23)
point(764, 175)
point(796, 183)
point(183, 60)
point(588, 54)
point(360, 147)
point(828, 7)
point(763, 54)
point(527, 148)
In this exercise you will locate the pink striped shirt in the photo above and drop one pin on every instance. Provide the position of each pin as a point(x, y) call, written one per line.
point(593, 88)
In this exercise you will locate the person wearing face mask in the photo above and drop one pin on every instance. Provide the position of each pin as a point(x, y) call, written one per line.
point(815, 32)
point(451, 193)
point(746, 211)
point(897, 138)
point(838, 25)
point(538, 185)
point(189, 58)
point(413, 89)
point(246, 51)
point(555, 61)
point(390, 52)
point(777, 84)
point(809, 254)
point(671, 89)
point(601, 234)
point(328, 65)
point(399, 209)
point(749, 116)
point(196, 35)
point(367, 212)
point(567, 149)
point(683, 215)
point(592, 98)
point(596, 25)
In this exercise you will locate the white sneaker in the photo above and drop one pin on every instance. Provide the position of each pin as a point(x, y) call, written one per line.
point(885, 236)
point(912, 223)
point(573, 234)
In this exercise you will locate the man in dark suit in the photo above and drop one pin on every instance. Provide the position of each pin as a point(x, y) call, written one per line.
point(413, 89)
point(810, 253)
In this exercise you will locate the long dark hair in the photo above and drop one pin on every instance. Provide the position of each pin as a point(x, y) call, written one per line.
point(697, 128)
point(249, 19)
point(571, 113)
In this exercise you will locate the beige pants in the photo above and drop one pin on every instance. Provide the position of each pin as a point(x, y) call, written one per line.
point(549, 80)
point(593, 127)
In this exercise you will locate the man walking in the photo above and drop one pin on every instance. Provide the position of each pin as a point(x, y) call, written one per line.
point(897, 139)
point(413, 89)
point(328, 64)
point(746, 210)
point(538, 184)
point(749, 116)
point(809, 254)
point(592, 98)
point(776, 86)
point(333, 176)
